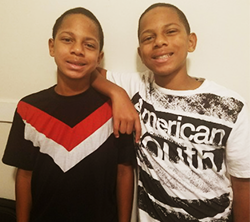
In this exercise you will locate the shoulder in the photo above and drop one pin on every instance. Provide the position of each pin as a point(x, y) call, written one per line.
point(227, 102)
point(39, 96)
point(94, 98)
point(41, 99)
point(222, 91)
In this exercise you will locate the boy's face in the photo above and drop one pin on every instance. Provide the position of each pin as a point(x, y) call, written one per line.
point(164, 42)
point(76, 47)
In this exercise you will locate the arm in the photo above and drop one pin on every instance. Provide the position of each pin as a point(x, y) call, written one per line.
point(125, 188)
point(23, 195)
point(241, 199)
point(126, 118)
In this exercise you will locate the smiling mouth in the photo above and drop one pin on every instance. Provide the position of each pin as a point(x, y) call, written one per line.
point(76, 63)
point(163, 57)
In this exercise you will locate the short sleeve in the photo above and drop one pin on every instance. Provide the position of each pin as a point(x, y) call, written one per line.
point(130, 82)
point(238, 147)
point(19, 152)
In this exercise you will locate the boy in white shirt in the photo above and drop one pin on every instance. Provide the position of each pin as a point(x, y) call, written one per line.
point(194, 151)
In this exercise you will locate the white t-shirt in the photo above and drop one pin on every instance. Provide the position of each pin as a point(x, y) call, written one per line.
point(191, 140)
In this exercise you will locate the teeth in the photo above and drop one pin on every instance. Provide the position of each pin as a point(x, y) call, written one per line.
point(163, 56)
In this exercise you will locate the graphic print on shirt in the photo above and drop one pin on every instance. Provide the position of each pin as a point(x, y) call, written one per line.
point(181, 157)
point(66, 145)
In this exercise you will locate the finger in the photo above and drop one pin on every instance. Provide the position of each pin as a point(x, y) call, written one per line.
point(123, 127)
point(116, 126)
point(137, 131)
point(130, 127)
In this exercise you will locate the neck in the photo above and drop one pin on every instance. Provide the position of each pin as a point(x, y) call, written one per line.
point(71, 87)
point(177, 82)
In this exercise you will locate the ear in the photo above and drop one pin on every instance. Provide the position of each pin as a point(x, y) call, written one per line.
point(51, 47)
point(192, 42)
point(100, 57)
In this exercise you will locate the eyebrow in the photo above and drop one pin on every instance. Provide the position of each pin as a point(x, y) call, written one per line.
point(72, 34)
point(165, 26)
point(66, 32)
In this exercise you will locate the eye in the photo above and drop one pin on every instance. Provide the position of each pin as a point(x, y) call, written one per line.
point(171, 31)
point(90, 46)
point(67, 39)
point(147, 39)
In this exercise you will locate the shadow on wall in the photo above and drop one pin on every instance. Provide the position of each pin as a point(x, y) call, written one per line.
point(140, 67)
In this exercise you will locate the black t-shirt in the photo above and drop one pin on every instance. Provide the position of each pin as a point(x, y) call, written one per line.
point(69, 145)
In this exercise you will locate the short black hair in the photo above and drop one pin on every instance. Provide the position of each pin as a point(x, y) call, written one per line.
point(178, 11)
point(82, 11)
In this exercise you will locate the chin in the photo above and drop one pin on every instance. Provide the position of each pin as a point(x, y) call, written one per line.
point(161, 72)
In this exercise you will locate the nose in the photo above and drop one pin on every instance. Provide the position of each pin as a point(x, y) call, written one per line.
point(77, 49)
point(161, 40)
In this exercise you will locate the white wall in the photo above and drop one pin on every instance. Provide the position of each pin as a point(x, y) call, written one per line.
point(222, 54)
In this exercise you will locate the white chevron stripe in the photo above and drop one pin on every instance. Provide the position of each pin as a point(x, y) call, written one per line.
point(63, 158)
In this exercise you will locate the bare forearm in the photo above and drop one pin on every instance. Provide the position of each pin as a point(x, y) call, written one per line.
point(103, 85)
point(23, 195)
point(126, 118)
point(241, 199)
point(125, 188)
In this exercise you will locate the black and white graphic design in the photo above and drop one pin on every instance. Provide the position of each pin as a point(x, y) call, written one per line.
point(181, 157)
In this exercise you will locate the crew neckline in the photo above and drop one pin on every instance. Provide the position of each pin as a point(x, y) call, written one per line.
point(68, 97)
point(183, 92)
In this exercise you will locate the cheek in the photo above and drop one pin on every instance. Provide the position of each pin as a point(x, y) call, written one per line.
point(94, 59)
point(144, 53)
point(181, 43)
point(59, 53)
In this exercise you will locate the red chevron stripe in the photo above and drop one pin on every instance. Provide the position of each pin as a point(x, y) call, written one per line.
point(60, 132)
